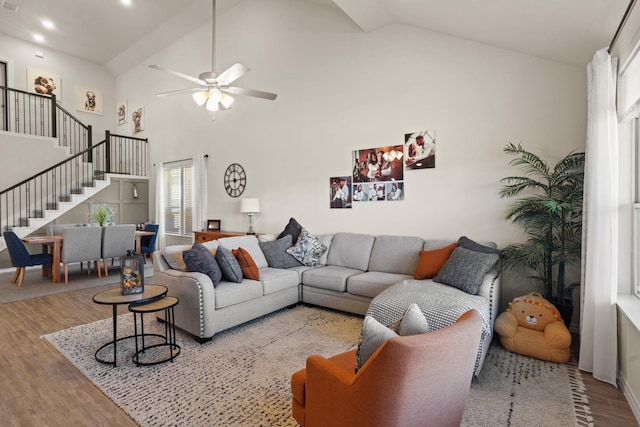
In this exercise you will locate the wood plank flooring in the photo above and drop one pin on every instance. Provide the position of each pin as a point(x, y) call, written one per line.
point(40, 387)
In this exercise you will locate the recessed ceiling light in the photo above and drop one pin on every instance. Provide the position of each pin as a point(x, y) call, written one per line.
point(126, 2)
point(38, 38)
point(49, 25)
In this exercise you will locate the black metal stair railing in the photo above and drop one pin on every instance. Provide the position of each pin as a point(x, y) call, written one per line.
point(117, 154)
point(40, 115)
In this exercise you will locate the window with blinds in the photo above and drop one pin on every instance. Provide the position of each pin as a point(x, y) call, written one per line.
point(178, 198)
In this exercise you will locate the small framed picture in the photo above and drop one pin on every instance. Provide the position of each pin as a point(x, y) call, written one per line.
point(213, 225)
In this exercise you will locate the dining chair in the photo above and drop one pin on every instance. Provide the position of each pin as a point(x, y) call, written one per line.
point(21, 258)
point(81, 244)
point(116, 241)
point(148, 243)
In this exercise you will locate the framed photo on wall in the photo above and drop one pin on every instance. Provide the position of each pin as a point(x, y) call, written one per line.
point(122, 110)
point(213, 224)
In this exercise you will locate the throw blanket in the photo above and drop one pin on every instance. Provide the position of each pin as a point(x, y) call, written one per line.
point(442, 305)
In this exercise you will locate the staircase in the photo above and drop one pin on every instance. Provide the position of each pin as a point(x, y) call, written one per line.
point(40, 199)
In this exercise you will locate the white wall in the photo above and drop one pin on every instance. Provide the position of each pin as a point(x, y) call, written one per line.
point(73, 72)
point(340, 90)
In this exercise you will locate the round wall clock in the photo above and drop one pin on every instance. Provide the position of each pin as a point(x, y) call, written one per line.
point(235, 180)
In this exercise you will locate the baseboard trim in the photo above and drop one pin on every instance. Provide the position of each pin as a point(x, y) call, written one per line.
point(631, 398)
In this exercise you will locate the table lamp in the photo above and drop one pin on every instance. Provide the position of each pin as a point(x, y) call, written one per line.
point(250, 207)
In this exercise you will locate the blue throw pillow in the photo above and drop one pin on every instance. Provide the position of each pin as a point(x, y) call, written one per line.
point(228, 263)
point(200, 259)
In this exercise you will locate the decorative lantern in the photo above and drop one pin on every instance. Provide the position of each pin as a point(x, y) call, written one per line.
point(131, 273)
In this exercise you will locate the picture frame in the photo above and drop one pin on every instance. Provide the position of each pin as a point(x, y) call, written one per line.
point(89, 100)
point(44, 82)
point(122, 110)
point(213, 224)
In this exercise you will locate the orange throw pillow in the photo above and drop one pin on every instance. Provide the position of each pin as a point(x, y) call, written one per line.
point(248, 265)
point(431, 262)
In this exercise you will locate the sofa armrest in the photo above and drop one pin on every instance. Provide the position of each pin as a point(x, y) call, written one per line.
point(195, 292)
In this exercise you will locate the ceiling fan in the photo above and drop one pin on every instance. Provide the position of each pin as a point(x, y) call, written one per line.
point(213, 90)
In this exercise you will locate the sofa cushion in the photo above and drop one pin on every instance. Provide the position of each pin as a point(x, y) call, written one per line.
point(374, 333)
point(465, 269)
point(229, 293)
point(395, 254)
point(173, 255)
point(325, 239)
point(350, 250)
point(275, 252)
point(276, 279)
point(371, 283)
point(200, 259)
point(229, 266)
point(248, 266)
point(431, 262)
point(308, 249)
point(249, 243)
point(331, 277)
point(293, 229)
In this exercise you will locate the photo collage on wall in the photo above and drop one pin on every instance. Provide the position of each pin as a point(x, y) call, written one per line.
point(378, 174)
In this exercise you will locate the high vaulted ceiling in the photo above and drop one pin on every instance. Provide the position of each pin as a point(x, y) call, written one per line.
point(109, 33)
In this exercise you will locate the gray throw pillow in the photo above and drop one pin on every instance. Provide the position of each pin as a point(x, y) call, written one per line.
point(374, 333)
point(308, 249)
point(228, 263)
point(275, 252)
point(293, 229)
point(200, 259)
point(465, 242)
point(465, 269)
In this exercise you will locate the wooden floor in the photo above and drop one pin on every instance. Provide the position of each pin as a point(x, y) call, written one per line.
point(40, 387)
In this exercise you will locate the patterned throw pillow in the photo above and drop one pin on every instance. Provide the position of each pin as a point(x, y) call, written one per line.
point(231, 270)
point(200, 259)
point(374, 333)
point(276, 253)
point(247, 264)
point(308, 249)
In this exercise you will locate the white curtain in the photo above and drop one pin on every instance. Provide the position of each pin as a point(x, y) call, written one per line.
point(199, 192)
point(598, 328)
point(160, 239)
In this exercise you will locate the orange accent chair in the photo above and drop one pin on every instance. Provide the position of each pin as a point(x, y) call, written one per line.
point(418, 380)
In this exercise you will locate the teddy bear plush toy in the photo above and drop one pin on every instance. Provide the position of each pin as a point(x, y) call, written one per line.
point(533, 327)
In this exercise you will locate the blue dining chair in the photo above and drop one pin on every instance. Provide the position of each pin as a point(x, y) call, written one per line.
point(148, 243)
point(21, 258)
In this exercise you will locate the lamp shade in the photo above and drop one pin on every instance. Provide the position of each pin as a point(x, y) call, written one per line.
point(250, 205)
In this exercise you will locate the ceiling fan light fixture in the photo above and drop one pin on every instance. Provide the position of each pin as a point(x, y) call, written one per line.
point(200, 97)
point(226, 100)
point(212, 105)
point(215, 95)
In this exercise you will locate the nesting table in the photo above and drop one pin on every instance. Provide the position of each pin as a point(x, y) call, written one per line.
point(115, 298)
point(165, 304)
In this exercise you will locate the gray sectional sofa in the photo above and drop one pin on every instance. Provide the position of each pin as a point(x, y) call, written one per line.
point(355, 269)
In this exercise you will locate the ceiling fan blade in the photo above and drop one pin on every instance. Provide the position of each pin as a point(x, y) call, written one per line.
point(181, 75)
point(175, 92)
point(232, 73)
point(249, 92)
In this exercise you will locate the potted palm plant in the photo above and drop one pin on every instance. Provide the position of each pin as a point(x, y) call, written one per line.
point(549, 208)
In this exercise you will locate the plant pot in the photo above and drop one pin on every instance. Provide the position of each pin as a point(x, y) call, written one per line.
point(565, 310)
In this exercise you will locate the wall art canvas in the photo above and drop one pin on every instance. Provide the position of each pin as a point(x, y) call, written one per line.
point(378, 174)
point(89, 100)
point(44, 82)
point(137, 117)
point(122, 111)
point(340, 192)
point(420, 150)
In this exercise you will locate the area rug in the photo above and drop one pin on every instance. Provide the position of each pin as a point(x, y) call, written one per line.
point(241, 377)
point(36, 286)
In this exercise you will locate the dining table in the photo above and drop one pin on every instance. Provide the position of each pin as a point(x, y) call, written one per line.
point(52, 244)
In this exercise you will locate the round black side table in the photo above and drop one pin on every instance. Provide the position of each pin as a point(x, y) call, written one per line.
point(167, 305)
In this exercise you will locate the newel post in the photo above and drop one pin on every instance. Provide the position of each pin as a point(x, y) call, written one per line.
point(54, 117)
point(107, 154)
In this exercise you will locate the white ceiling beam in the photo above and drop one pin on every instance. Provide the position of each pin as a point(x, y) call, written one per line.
point(369, 15)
